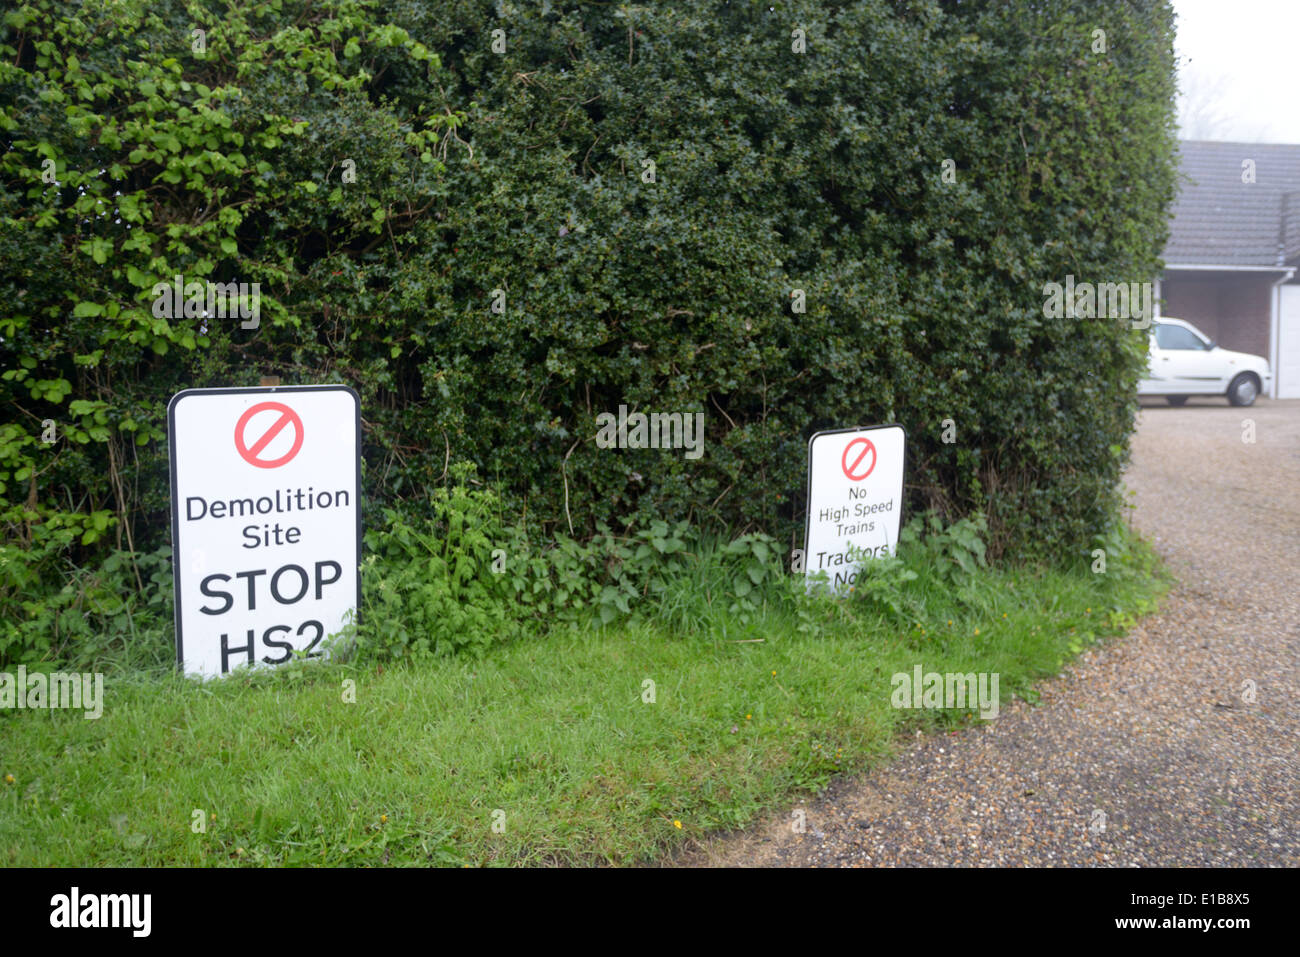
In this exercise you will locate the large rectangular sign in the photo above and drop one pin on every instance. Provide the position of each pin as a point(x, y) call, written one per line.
point(266, 522)
point(855, 497)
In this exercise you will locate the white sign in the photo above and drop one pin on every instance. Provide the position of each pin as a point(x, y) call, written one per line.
point(266, 522)
point(855, 497)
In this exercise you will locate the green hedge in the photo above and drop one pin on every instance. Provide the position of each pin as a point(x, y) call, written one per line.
point(524, 171)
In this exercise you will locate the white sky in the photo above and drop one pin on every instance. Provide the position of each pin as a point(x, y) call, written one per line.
point(1239, 69)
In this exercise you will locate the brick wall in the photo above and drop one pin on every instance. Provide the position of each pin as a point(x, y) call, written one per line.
point(1231, 308)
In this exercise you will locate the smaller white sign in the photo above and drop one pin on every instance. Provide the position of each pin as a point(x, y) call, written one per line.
point(855, 498)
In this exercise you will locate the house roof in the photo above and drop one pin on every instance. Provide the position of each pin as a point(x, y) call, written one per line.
point(1219, 220)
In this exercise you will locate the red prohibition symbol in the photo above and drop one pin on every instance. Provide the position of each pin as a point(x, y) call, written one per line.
point(855, 463)
point(249, 453)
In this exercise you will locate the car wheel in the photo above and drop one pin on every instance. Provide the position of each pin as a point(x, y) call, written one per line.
point(1176, 399)
point(1243, 390)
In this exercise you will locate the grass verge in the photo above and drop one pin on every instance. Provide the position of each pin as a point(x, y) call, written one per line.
point(541, 751)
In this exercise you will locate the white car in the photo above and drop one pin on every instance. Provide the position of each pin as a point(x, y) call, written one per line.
point(1185, 362)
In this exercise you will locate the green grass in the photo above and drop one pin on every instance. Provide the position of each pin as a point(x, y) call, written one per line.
point(552, 731)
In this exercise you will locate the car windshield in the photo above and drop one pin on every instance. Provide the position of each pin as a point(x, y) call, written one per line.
point(1178, 337)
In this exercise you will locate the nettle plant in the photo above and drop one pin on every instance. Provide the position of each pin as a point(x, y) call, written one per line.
point(608, 573)
point(755, 566)
point(462, 579)
point(431, 590)
point(956, 551)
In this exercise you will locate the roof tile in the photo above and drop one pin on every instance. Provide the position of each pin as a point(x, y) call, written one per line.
point(1219, 220)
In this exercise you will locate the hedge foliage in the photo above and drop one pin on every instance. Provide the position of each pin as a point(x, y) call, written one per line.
point(521, 178)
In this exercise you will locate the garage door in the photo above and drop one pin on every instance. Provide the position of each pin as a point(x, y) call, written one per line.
point(1288, 344)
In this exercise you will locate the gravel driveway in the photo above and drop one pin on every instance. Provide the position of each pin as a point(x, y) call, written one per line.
point(1152, 731)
